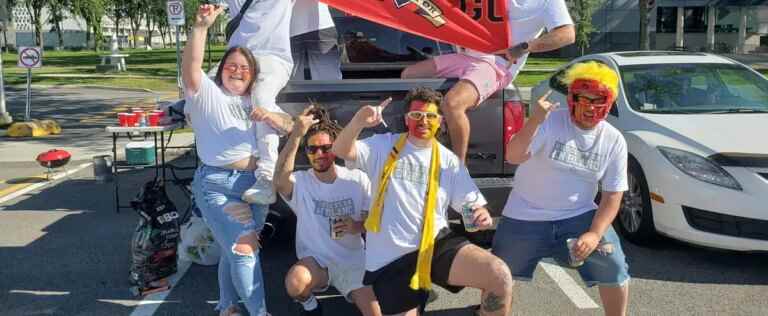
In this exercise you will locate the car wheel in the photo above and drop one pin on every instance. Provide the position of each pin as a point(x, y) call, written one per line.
point(635, 219)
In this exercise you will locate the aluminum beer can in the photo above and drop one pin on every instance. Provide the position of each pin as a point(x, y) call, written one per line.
point(335, 235)
point(466, 217)
point(572, 260)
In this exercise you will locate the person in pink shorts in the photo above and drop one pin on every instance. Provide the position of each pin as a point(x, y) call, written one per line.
point(480, 74)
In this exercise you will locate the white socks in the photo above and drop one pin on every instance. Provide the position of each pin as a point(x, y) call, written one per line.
point(310, 303)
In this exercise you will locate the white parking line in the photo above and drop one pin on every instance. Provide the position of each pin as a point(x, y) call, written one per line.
point(149, 304)
point(42, 184)
point(569, 286)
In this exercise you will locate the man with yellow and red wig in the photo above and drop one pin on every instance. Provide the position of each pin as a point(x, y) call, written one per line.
point(563, 156)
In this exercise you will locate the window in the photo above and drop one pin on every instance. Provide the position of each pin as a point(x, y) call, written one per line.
point(366, 42)
point(695, 20)
point(694, 88)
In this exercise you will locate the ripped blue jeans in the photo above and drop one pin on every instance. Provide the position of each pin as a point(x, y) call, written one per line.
point(217, 193)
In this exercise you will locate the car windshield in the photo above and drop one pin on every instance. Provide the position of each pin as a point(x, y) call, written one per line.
point(694, 88)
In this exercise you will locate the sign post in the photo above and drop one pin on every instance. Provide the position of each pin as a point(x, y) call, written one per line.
point(5, 118)
point(176, 17)
point(29, 57)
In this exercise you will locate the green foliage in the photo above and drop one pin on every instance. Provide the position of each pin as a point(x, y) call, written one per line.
point(581, 11)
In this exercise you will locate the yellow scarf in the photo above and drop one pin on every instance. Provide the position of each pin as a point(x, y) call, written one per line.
point(421, 279)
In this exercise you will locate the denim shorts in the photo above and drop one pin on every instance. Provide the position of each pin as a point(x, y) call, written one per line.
point(521, 244)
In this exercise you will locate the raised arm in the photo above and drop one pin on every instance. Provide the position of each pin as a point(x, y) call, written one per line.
point(556, 38)
point(192, 61)
point(367, 116)
point(518, 148)
point(287, 157)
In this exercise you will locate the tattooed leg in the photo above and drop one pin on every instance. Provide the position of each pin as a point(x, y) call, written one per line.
point(478, 268)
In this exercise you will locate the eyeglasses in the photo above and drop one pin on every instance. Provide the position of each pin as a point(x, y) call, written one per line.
point(235, 67)
point(312, 149)
point(419, 115)
point(589, 100)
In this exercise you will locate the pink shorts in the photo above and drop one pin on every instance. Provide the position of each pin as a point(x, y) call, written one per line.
point(485, 76)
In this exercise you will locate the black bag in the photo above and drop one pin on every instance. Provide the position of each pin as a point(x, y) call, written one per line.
point(154, 242)
point(233, 24)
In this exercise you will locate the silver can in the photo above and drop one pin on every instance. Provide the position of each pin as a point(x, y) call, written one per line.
point(335, 235)
point(466, 216)
point(572, 260)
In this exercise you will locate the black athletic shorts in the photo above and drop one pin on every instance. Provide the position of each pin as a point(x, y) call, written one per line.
point(391, 283)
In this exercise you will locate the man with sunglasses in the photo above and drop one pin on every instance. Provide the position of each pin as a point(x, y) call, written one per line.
point(408, 243)
point(563, 157)
point(317, 196)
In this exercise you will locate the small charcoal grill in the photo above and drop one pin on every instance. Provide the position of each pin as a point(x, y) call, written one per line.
point(53, 159)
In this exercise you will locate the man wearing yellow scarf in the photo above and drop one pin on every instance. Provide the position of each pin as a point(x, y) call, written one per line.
point(414, 181)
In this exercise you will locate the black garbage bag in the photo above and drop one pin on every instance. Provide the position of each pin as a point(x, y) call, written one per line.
point(154, 242)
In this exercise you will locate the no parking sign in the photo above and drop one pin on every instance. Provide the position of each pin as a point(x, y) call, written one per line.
point(175, 12)
point(30, 57)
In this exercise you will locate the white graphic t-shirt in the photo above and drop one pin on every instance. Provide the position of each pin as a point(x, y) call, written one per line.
point(315, 202)
point(310, 15)
point(560, 178)
point(527, 20)
point(223, 131)
point(265, 27)
point(402, 216)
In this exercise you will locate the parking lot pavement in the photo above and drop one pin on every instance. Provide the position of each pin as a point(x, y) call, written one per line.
point(64, 251)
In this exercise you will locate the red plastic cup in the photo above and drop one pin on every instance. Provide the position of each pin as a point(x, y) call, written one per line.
point(123, 119)
point(153, 119)
point(132, 119)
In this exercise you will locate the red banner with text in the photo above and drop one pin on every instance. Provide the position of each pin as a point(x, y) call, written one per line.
point(479, 25)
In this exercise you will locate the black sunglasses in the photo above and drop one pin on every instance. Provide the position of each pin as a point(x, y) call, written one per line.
point(313, 149)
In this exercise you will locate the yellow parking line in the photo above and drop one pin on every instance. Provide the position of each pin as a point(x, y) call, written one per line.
point(19, 186)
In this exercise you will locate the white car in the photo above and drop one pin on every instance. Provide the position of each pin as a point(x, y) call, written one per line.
point(696, 126)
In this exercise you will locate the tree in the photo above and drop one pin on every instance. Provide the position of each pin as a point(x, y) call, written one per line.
point(645, 7)
point(134, 12)
point(582, 12)
point(160, 16)
point(9, 5)
point(92, 11)
point(56, 15)
point(116, 12)
point(35, 9)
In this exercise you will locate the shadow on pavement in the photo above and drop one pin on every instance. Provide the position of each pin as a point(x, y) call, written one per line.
point(69, 250)
point(676, 261)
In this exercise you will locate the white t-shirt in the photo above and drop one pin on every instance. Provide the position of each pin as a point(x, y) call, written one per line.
point(310, 15)
point(224, 132)
point(265, 27)
point(314, 202)
point(560, 178)
point(402, 216)
point(527, 20)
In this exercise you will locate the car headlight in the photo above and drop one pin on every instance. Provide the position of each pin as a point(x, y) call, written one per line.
point(699, 167)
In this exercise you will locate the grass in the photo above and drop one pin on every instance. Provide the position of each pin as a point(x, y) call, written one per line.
point(156, 69)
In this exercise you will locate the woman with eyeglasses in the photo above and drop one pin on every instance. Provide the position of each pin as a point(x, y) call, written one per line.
point(235, 152)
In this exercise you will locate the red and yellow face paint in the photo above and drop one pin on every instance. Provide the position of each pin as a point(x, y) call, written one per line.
point(423, 119)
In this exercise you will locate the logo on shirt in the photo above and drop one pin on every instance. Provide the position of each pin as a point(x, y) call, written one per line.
point(572, 156)
point(339, 208)
point(238, 110)
point(427, 9)
point(410, 172)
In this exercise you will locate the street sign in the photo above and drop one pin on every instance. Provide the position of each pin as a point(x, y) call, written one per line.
point(30, 57)
point(176, 12)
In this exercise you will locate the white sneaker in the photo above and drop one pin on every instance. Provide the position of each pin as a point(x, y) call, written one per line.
point(261, 192)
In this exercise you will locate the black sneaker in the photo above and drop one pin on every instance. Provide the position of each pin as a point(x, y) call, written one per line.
point(318, 311)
